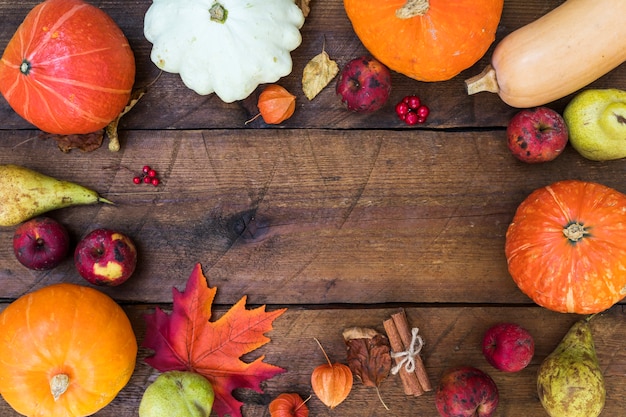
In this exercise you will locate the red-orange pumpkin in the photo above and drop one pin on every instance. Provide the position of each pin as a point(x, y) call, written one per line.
point(68, 68)
point(428, 40)
point(65, 341)
point(566, 247)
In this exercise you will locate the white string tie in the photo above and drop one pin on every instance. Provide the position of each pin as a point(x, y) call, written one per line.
point(408, 356)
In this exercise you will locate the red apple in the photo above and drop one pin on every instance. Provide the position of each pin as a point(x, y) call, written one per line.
point(41, 243)
point(105, 257)
point(466, 392)
point(508, 347)
point(364, 85)
point(537, 135)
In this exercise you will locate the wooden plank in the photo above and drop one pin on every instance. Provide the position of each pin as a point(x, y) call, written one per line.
point(339, 216)
point(452, 336)
point(170, 105)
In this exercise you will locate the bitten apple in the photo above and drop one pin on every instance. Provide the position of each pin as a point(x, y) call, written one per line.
point(537, 135)
point(105, 257)
point(508, 347)
point(364, 85)
point(466, 392)
point(41, 243)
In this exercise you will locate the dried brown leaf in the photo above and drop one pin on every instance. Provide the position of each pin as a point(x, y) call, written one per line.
point(317, 73)
point(85, 142)
point(111, 129)
point(305, 6)
point(369, 355)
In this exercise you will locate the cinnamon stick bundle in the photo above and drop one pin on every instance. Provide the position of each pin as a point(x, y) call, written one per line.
point(400, 337)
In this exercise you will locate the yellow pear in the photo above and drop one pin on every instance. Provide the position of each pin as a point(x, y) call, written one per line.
point(596, 120)
point(569, 381)
point(25, 193)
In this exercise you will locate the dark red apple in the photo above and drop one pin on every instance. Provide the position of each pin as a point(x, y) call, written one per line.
point(466, 392)
point(105, 257)
point(508, 347)
point(537, 135)
point(364, 85)
point(41, 243)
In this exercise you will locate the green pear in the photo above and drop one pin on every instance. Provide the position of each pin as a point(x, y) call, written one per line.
point(596, 120)
point(177, 394)
point(25, 194)
point(569, 381)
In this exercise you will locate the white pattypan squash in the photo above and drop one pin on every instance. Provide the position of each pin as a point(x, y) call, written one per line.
point(224, 46)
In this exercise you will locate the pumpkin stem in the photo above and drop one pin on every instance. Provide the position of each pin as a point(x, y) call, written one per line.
point(413, 8)
point(218, 13)
point(58, 385)
point(574, 232)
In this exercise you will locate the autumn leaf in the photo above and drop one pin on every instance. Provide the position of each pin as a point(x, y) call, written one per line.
point(111, 128)
point(317, 73)
point(305, 6)
point(86, 142)
point(186, 340)
point(369, 355)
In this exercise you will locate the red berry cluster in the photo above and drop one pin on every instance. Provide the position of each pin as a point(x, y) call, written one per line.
point(412, 111)
point(148, 176)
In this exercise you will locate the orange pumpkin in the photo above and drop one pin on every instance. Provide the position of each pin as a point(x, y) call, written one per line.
point(566, 247)
point(428, 40)
point(288, 405)
point(68, 68)
point(66, 350)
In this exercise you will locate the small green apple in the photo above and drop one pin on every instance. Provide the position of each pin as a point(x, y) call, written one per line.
point(596, 120)
point(177, 394)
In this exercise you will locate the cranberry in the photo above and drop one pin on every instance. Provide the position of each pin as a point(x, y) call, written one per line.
point(411, 110)
point(137, 180)
point(413, 102)
point(423, 111)
point(402, 109)
point(411, 118)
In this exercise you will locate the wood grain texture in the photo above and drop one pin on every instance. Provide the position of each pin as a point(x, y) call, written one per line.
point(452, 337)
point(342, 218)
point(170, 105)
point(326, 216)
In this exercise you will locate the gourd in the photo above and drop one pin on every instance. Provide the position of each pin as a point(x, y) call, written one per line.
point(225, 46)
point(67, 350)
point(68, 69)
point(566, 247)
point(557, 54)
point(428, 40)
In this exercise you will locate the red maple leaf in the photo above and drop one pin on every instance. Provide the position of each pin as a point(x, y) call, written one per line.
point(186, 340)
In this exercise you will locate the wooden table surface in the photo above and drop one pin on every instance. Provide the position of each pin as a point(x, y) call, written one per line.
point(356, 216)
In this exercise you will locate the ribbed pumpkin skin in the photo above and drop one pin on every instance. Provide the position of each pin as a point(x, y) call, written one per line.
point(64, 328)
point(585, 277)
point(451, 37)
point(82, 68)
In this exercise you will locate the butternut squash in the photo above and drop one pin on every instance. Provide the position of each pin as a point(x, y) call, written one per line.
point(561, 52)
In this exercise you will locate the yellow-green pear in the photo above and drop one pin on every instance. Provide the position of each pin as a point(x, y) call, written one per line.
point(25, 194)
point(569, 381)
point(178, 394)
point(596, 120)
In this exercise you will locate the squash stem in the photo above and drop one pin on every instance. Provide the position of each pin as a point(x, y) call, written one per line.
point(58, 385)
point(218, 13)
point(485, 81)
point(413, 8)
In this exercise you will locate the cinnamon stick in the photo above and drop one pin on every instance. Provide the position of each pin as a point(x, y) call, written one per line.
point(410, 383)
point(402, 324)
